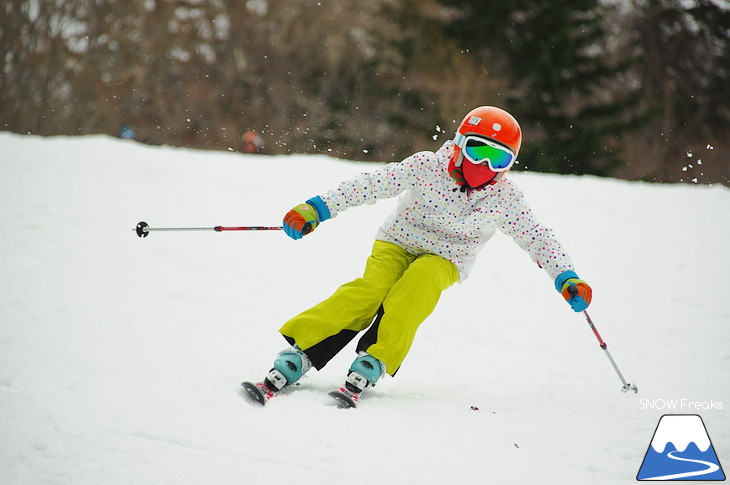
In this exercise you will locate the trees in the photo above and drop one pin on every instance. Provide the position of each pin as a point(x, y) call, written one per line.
point(310, 76)
point(378, 81)
point(685, 76)
point(556, 56)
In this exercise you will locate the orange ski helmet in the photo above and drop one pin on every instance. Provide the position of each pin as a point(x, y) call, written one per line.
point(483, 131)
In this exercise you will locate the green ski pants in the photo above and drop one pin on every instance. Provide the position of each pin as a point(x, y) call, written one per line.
point(398, 287)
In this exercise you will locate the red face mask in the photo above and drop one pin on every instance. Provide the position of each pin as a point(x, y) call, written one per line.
point(470, 174)
point(477, 175)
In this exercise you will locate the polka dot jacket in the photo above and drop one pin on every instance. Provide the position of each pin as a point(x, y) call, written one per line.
point(434, 216)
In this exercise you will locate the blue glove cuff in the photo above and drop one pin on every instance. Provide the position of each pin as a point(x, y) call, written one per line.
point(563, 277)
point(322, 210)
point(578, 304)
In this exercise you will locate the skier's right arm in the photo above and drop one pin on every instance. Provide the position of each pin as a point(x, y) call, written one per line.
point(366, 188)
point(384, 183)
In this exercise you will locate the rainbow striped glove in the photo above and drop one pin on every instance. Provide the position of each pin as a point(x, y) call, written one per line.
point(303, 218)
point(579, 297)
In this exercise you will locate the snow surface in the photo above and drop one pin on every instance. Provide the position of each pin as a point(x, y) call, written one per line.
point(121, 357)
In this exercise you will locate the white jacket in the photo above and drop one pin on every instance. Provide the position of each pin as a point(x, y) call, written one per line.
point(434, 216)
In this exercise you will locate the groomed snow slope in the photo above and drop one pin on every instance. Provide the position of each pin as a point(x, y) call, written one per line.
point(121, 357)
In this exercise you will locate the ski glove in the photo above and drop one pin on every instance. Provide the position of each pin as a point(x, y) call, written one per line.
point(303, 218)
point(578, 297)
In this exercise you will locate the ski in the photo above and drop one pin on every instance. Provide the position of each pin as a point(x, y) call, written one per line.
point(344, 398)
point(258, 393)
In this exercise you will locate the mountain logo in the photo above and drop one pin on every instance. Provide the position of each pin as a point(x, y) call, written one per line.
point(681, 450)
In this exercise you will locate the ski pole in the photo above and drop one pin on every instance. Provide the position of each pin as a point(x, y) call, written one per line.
point(573, 290)
point(143, 229)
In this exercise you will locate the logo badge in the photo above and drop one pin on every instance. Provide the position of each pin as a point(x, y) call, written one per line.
point(681, 450)
point(474, 120)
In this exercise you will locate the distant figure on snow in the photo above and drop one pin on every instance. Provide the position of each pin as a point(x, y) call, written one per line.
point(127, 132)
point(251, 142)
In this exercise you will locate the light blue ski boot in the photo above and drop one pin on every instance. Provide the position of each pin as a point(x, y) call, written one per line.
point(364, 373)
point(289, 366)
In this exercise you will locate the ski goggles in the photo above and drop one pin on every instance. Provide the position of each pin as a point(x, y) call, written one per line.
point(479, 150)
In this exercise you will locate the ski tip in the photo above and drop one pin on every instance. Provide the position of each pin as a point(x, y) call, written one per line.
point(253, 393)
point(342, 400)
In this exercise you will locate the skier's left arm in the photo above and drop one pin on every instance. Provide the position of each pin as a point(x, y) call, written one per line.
point(545, 249)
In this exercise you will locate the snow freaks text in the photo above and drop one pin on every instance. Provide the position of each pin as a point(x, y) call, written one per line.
point(680, 405)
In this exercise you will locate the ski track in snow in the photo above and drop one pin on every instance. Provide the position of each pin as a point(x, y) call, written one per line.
point(121, 358)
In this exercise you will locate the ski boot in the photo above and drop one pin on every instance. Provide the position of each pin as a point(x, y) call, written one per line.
point(364, 373)
point(290, 365)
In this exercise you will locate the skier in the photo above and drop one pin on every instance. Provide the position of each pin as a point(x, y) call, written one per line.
point(451, 203)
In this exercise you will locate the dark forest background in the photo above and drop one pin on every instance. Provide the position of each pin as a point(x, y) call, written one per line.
point(635, 89)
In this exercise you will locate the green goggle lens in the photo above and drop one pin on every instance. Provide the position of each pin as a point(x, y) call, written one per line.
point(479, 151)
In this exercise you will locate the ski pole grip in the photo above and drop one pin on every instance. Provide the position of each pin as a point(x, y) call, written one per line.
point(573, 290)
point(306, 228)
